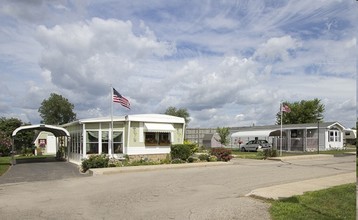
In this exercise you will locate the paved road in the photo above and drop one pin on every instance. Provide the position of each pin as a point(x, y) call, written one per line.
point(192, 193)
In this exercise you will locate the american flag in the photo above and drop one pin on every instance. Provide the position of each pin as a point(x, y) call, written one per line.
point(118, 98)
point(285, 108)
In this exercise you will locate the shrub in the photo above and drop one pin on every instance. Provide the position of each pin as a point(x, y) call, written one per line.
point(181, 151)
point(142, 162)
point(212, 158)
point(114, 163)
point(192, 159)
point(204, 157)
point(193, 148)
point(222, 154)
point(27, 151)
point(60, 154)
point(95, 161)
point(5, 151)
point(177, 160)
point(167, 160)
point(269, 153)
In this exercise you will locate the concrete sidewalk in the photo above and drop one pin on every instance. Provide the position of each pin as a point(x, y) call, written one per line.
point(298, 188)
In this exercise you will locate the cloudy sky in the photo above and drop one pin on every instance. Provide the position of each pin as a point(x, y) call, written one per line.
point(230, 63)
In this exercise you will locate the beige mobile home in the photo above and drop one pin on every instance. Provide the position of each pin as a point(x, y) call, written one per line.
point(143, 135)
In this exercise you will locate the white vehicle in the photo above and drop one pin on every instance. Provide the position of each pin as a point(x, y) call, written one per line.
point(256, 145)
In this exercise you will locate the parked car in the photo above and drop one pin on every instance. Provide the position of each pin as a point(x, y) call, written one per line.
point(256, 145)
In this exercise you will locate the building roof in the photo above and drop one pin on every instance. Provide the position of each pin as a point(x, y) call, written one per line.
point(208, 137)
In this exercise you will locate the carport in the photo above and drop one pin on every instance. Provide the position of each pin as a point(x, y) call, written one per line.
point(57, 131)
point(270, 134)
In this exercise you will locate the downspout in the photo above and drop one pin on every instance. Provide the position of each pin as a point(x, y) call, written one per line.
point(84, 138)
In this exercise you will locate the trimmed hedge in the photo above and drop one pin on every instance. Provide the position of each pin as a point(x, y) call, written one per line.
point(222, 154)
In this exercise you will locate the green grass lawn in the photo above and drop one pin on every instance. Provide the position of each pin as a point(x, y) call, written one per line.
point(5, 163)
point(334, 203)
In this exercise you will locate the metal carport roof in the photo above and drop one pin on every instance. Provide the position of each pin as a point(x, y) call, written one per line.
point(257, 133)
point(57, 131)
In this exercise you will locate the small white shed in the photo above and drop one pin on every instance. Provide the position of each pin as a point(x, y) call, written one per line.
point(46, 141)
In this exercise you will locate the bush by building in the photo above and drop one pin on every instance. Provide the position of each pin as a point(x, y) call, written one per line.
point(222, 154)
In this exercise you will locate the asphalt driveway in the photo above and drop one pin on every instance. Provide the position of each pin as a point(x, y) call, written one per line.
point(41, 171)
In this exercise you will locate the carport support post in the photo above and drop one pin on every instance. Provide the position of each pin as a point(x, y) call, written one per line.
point(68, 148)
point(13, 161)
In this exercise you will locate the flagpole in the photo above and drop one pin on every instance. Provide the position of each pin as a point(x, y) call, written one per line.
point(110, 151)
point(281, 106)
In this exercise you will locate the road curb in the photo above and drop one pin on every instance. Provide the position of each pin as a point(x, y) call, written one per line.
point(301, 157)
point(130, 169)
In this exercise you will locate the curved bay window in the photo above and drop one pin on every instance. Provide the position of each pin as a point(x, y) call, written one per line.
point(105, 140)
point(92, 142)
point(117, 142)
point(157, 138)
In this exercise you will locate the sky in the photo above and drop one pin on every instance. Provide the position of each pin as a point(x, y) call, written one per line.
point(229, 63)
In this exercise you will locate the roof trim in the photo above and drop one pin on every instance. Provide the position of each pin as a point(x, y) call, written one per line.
point(57, 131)
point(159, 118)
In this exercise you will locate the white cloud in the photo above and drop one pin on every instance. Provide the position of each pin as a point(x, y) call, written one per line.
point(88, 56)
point(277, 48)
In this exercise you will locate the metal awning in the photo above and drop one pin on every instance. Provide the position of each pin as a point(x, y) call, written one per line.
point(158, 127)
point(57, 131)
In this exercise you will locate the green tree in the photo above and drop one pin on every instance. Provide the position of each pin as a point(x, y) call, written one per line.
point(8, 125)
point(224, 135)
point(56, 110)
point(23, 139)
point(304, 111)
point(181, 112)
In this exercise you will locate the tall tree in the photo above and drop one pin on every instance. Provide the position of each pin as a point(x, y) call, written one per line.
point(304, 111)
point(224, 135)
point(56, 110)
point(181, 112)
